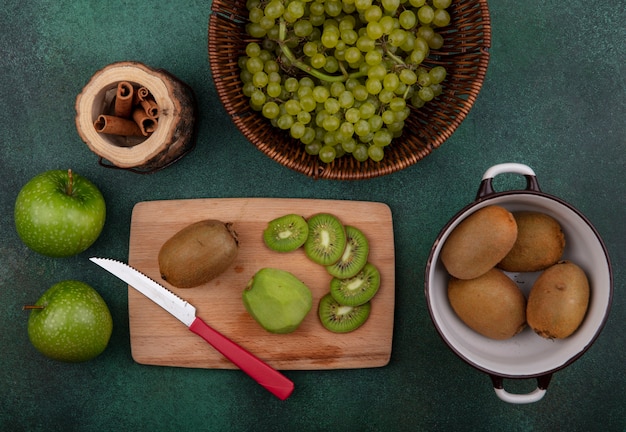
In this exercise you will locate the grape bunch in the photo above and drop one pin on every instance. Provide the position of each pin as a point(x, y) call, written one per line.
point(341, 76)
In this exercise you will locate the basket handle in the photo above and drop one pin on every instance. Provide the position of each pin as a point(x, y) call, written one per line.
point(534, 396)
point(486, 185)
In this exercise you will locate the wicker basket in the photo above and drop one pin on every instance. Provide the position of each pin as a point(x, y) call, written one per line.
point(465, 56)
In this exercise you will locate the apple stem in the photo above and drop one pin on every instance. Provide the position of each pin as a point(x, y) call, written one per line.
point(31, 307)
point(70, 183)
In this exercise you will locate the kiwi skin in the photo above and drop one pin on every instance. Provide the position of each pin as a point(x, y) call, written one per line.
point(198, 253)
point(491, 304)
point(327, 239)
point(339, 318)
point(540, 243)
point(479, 242)
point(286, 233)
point(354, 256)
point(358, 289)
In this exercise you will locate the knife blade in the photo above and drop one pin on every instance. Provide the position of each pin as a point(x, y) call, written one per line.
point(261, 372)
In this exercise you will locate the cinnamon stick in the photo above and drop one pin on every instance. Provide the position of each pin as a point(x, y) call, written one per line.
point(146, 123)
point(148, 104)
point(124, 99)
point(117, 126)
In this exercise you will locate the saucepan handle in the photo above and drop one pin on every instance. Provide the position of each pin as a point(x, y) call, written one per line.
point(533, 396)
point(486, 185)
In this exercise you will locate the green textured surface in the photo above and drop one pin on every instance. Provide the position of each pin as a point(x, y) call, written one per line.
point(554, 99)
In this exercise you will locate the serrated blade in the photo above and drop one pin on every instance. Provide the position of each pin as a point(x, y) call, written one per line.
point(156, 292)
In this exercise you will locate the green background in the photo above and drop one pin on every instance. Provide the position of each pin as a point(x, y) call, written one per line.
point(554, 99)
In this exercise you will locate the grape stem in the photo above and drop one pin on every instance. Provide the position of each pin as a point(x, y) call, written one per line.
point(282, 36)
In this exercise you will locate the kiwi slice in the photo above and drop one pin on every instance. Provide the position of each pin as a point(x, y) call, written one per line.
point(354, 256)
point(356, 290)
point(340, 318)
point(327, 239)
point(286, 233)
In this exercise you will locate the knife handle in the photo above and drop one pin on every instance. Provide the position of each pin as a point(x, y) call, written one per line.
point(261, 372)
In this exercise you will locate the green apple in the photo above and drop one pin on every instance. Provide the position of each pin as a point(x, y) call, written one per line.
point(59, 213)
point(70, 322)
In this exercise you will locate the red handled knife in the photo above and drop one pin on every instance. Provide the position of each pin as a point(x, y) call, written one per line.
point(260, 371)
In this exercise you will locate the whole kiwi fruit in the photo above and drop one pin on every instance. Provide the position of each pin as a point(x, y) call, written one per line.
point(198, 253)
point(540, 243)
point(558, 301)
point(491, 304)
point(479, 242)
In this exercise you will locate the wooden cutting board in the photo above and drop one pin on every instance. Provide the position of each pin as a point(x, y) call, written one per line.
point(157, 338)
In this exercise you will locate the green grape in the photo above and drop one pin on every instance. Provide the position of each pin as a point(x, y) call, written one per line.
point(388, 117)
point(271, 67)
point(336, 89)
point(373, 86)
point(302, 28)
point(254, 65)
point(386, 95)
point(375, 122)
point(297, 130)
point(408, 77)
point(375, 153)
point(425, 32)
point(331, 123)
point(309, 49)
point(436, 41)
point(253, 49)
point(308, 103)
point(365, 43)
point(426, 94)
point(313, 148)
point(320, 93)
point(267, 23)
point(296, 8)
point(423, 77)
point(353, 55)
point(331, 105)
point(346, 128)
point(270, 110)
point(390, 5)
point(441, 18)
point(318, 60)
point(248, 89)
point(292, 107)
point(407, 19)
point(285, 121)
point(327, 154)
point(362, 127)
point(255, 30)
point(360, 93)
point(349, 145)
point(330, 37)
point(333, 8)
point(373, 13)
point(437, 74)
point(260, 79)
point(304, 117)
point(349, 36)
point(397, 37)
point(332, 65)
point(373, 57)
point(291, 84)
point(367, 110)
point(382, 138)
point(362, 4)
point(306, 82)
point(317, 8)
point(353, 115)
point(274, 9)
point(360, 153)
point(308, 136)
point(374, 30)
point(391, 81)
point(387, 23)
point(442, 4)
point(346, 99)
point(377, 71)
point(330, 139)
point(255, 14)
point(425, 14)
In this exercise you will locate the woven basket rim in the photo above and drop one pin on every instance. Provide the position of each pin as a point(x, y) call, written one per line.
point(465, 54)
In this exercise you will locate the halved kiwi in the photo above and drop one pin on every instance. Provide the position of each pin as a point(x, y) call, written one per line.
point(356, 290)
point(286, 233)
point(339, 318)
point(327, 239)
point(354, 256)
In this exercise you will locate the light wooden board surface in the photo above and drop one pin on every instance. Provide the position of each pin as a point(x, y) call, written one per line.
point(157, 338)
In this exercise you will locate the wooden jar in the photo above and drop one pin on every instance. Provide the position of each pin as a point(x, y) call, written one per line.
point(171, 139)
